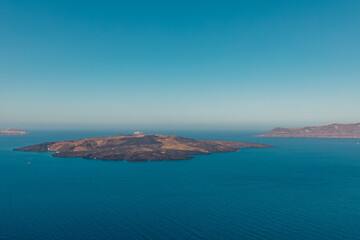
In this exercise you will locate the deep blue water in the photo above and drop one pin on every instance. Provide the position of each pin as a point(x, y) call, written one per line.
point(303, 189)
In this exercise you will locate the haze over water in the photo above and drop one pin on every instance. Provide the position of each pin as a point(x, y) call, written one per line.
point(303, 189)
point(178, 64)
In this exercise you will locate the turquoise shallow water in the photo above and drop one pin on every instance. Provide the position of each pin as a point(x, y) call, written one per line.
point(303, 189)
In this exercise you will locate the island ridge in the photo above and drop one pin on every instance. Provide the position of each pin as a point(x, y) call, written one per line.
point(330, 131)
point(138, 147)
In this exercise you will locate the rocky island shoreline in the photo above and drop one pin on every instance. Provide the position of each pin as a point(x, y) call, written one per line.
point(138, 147)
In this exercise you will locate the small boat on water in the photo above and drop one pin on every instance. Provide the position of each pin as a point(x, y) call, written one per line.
point(29, 163)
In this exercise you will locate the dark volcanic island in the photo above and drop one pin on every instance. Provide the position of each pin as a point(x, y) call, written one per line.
point(330, 131)
point(138, 147)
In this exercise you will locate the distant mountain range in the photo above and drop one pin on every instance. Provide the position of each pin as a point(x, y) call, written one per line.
point(329, 131)
point(12, 131)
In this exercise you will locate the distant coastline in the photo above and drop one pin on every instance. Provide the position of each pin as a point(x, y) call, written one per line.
point(329, 131)
point(13, 132)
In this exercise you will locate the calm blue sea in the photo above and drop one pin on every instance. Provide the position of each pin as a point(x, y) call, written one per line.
point(303, 189)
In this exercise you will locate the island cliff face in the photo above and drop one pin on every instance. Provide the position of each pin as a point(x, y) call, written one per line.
point(330, 131)
point(11, 131)
point(139, 147)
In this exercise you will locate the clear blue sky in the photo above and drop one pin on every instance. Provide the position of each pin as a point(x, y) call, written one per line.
point(179, 64)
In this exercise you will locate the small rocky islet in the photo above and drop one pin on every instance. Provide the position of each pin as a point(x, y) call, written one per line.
point(12, 132)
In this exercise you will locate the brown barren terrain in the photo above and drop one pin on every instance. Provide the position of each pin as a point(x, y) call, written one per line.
point(138, 147)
